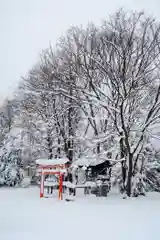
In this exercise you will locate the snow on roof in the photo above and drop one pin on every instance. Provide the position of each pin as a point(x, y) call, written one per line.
point(48, 162)
point(88, 162)
point(53, 171)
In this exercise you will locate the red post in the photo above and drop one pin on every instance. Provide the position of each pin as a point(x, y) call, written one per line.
point(42, 185)
point(60, 186)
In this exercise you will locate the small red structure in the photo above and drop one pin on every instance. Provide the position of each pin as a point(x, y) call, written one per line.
point(53, 166)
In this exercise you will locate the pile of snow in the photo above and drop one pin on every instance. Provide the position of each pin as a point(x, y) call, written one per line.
point(69, 184)
point(50, 184)
point(90, 184)
point(25, 182)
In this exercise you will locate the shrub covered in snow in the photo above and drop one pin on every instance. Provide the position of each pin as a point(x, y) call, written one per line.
point(11, 172)
point(143, 180)
point(152, 176)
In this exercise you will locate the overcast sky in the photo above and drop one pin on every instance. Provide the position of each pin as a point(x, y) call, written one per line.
point(27, 26)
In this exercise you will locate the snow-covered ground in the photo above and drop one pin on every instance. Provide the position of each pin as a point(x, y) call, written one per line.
point(23, 215)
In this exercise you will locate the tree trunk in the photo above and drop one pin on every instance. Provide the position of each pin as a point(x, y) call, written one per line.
point(59, 148)
point(49, 143)
point(70, 129)
point(129, 180)
point(58, 154)
point(123, 167)
point(123, 163)
point(98, 148)
point(70, 150)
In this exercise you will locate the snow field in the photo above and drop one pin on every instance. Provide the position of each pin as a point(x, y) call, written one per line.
point(23, 215)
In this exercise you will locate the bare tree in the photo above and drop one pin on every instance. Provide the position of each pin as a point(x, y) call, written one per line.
point(129, 53)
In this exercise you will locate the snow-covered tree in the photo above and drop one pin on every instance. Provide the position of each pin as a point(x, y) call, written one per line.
point(97, 96)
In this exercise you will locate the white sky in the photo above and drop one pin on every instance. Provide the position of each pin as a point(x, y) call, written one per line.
point(27, 26)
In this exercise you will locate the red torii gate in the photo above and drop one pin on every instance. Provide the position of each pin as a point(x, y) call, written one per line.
point(53, 166)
